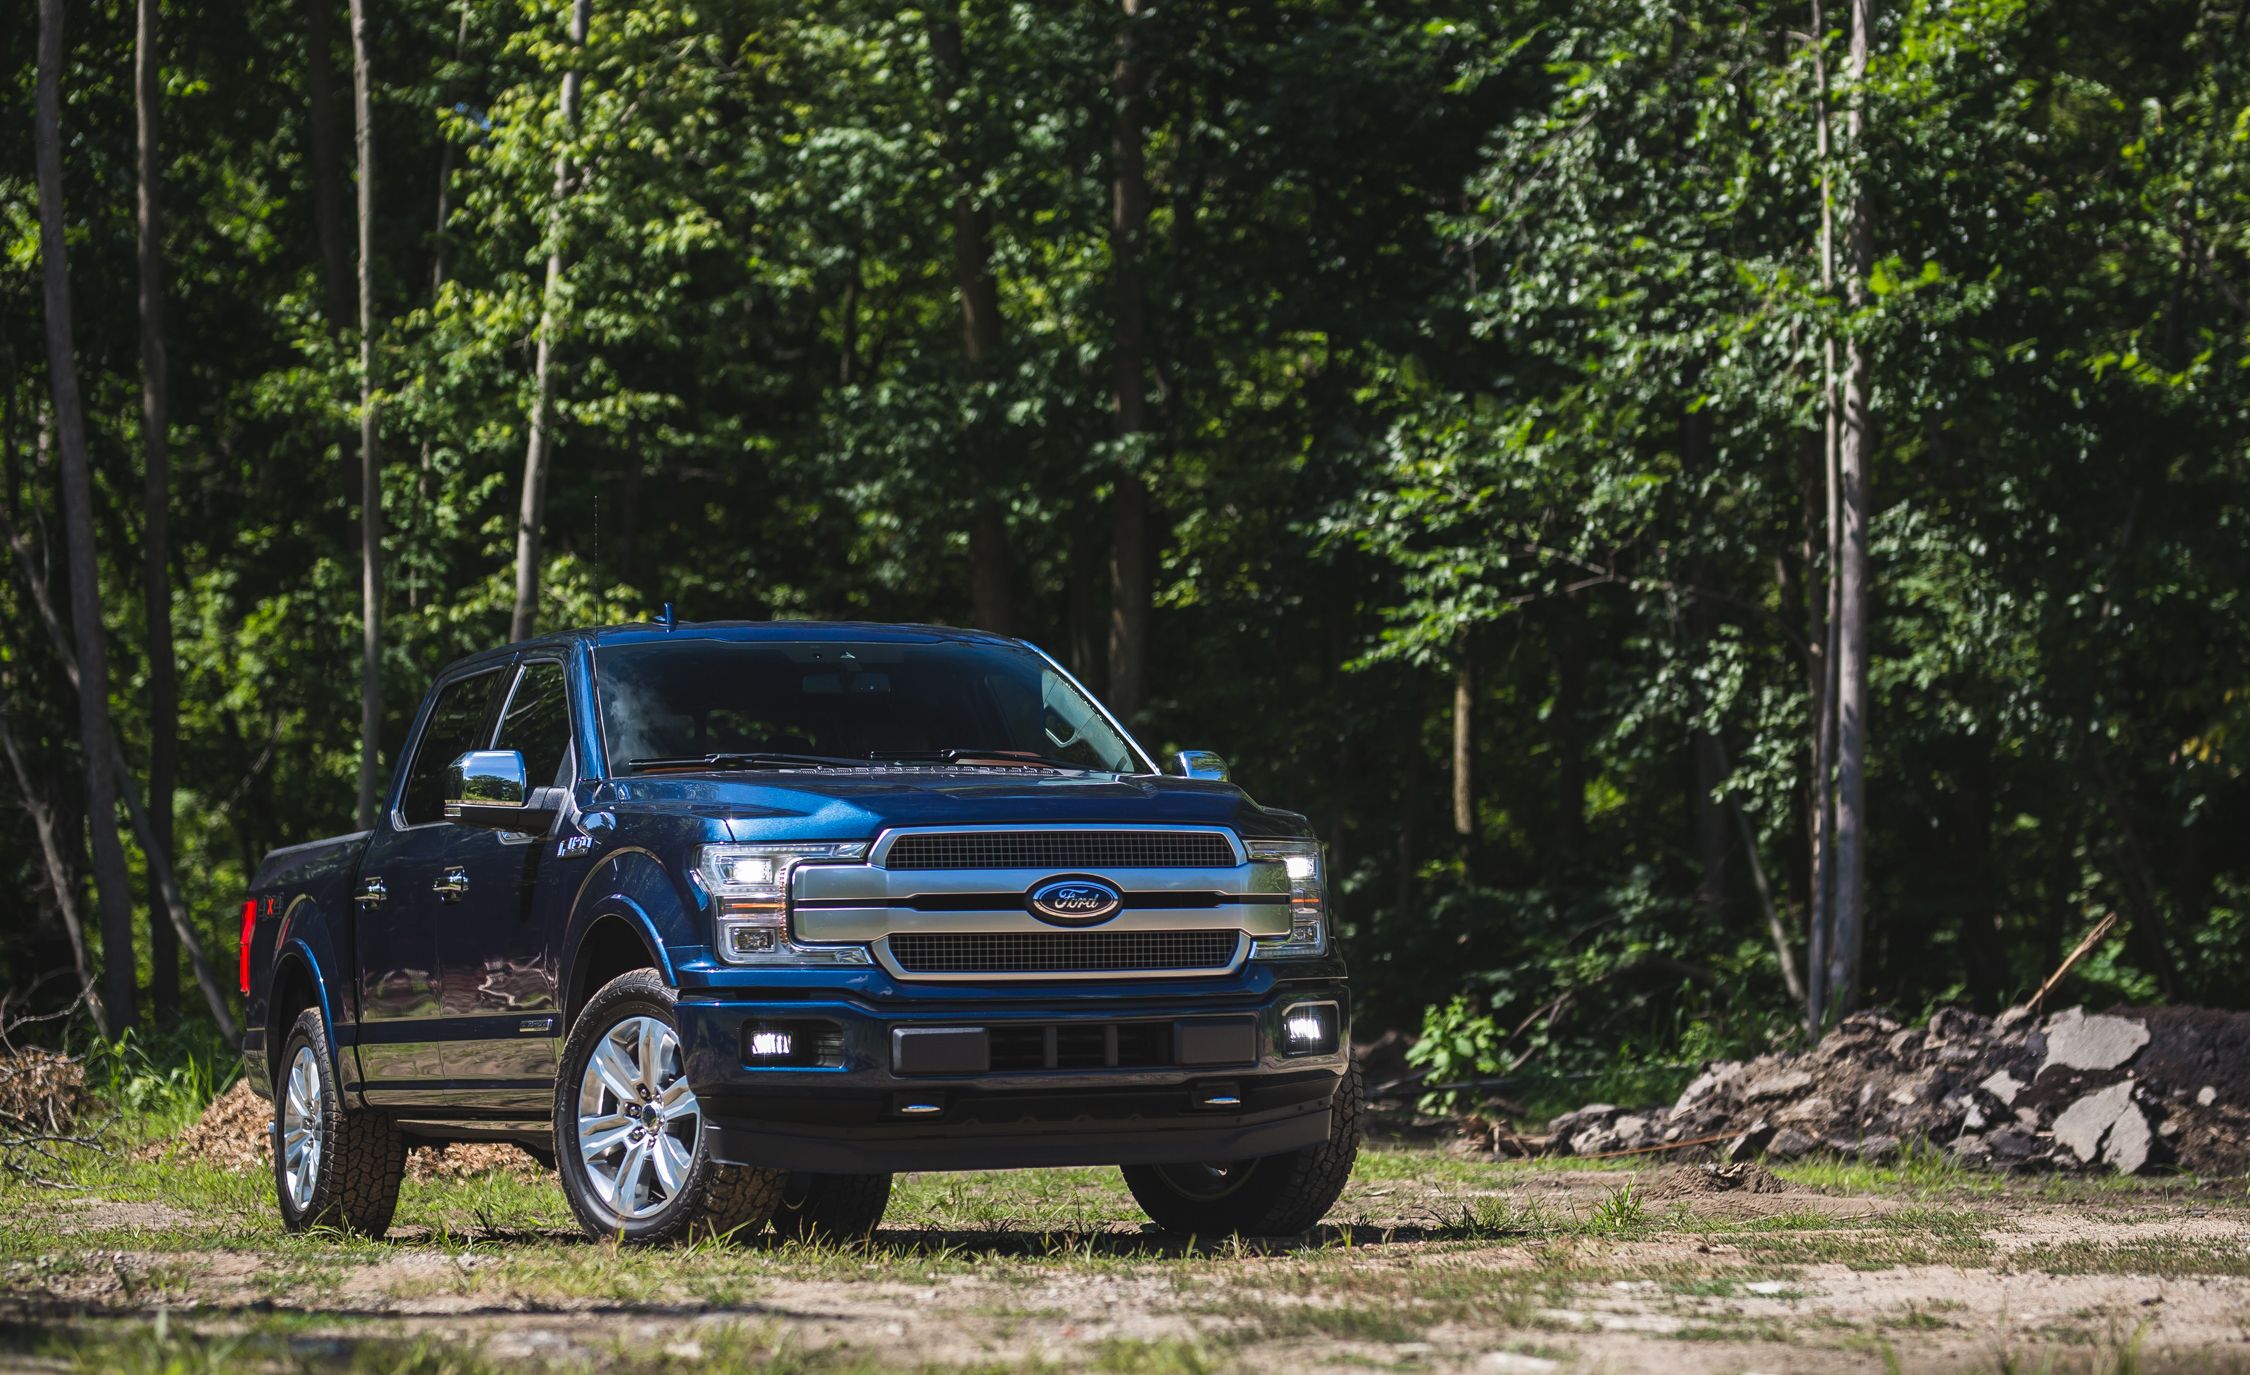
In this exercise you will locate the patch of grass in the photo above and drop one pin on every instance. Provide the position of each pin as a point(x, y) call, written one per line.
point(2166, 1258)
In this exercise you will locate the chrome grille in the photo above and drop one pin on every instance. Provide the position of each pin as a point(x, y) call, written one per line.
point(1060, 850)
point(1004, 952)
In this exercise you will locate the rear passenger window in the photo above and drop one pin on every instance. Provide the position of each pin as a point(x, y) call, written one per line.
point(537, 722)
point(456, 726)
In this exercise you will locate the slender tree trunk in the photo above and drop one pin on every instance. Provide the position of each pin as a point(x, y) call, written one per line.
point(533, 511)
point(991, 582)
point(58, 873)
point(1821, 909)
point(1129, 575)
point(371, 463)
point(156, 501)
point(327, 162)
point(1852, 454)
point(1569, 731)
point(111, 889)
point(1464, 745)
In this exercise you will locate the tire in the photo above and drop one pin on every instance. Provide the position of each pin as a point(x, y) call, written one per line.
point(832, 1207)
point(669, 1188)
point(1270, 1196)
point(332, 1167)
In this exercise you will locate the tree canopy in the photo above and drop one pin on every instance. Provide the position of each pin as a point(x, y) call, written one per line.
point(1469, 365)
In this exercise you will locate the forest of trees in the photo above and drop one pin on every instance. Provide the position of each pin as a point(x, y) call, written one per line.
point(1719, 511)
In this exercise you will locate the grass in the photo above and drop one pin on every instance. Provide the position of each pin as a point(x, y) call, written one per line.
point(141, 1266)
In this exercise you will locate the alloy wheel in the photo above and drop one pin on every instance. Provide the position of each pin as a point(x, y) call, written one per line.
point(300, 1129)
point(637, 1118)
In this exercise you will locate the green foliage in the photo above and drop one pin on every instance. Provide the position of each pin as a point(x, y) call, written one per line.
point(1480, 338)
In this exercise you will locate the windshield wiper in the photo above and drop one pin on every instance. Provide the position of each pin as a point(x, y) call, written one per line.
point(758, 759)
point(956, 755)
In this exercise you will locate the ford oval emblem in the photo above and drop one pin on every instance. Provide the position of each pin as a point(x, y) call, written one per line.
point(1074, 900)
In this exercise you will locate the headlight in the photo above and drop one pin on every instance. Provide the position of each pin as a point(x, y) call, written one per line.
point(749, 888)
point(1308, 897)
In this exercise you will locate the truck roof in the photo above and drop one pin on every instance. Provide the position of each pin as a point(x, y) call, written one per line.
point(639, 632)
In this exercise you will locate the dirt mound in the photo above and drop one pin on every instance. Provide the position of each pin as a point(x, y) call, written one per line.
point(2126, 1091)
point(42, 1092)
point(468, 1159)
point(231, 1135)
point(1698, 1181)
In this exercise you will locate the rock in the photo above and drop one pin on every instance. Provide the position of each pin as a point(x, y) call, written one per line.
point(2077, 1041)
point(2080, 1127)
point(1784, 1084)
point(2126, 1149)
point(1714, 1080)
point(2011, 1143)
point(1789, 1144)
point(2002, 1085)
point(2206, 1096)
point(1749, 1143)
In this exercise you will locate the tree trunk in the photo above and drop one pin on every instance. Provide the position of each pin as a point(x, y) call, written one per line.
point(58, 874)
point(1129, 578)
point(327, 162)
point(1821, 599)
point(156, 501)
point(1568, 731)
point(533, 510)
point(1464, 746)
point(370, 457)
point(111, 890)
point(1852, 454)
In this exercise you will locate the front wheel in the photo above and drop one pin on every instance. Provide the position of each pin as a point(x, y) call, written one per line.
point(1269, 1196)
point(332, 1167)
point(631, 1147)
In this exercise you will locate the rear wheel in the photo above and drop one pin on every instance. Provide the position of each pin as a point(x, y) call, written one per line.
point(1273, 1195)
point(832, 1207)
point(632, 1151)
point(332, 1167)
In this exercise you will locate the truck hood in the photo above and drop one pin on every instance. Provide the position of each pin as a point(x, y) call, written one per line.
point(858, 804)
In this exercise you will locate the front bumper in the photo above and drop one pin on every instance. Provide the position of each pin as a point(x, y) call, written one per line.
point(1125, 1073)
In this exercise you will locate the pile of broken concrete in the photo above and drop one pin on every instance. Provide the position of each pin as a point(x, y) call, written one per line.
point(2129, 1091)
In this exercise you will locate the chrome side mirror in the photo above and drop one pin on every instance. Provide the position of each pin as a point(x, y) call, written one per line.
point(488, 788)
point(485, 778)
point(1204, 764)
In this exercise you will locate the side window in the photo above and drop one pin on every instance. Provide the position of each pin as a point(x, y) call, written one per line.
point(537, 722)
point(456, 726)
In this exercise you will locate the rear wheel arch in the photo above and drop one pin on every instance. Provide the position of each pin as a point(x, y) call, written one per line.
point(295, 987)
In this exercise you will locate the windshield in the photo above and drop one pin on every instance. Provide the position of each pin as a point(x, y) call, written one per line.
point(688, 699)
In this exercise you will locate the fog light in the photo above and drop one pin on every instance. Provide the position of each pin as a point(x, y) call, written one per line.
point(793, 1045)
point(751, 940)
point(1309, 1029)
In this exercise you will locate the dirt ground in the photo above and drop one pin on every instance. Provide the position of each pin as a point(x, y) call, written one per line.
point(1432, 1262)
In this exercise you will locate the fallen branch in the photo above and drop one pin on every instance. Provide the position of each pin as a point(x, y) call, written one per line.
point(2093, 938)
point(1665, 1146)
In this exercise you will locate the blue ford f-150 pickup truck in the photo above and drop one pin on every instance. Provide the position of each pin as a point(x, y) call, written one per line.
point(735, 920)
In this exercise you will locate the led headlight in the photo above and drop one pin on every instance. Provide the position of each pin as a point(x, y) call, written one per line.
point(1308, 896)
point(749, 888)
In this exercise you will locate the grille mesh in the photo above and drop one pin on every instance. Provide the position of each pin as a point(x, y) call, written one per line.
point(1061, 850)
point(1002, 952)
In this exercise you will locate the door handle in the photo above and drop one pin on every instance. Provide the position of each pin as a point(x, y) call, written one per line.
point(451, 884)
point(371, 891)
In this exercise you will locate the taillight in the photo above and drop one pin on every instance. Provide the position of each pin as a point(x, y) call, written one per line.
point(249, 924)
